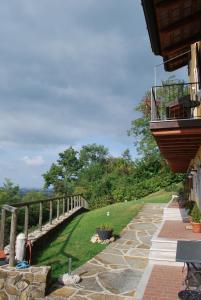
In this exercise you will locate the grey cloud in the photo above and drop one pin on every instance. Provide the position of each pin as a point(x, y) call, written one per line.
point(71, 69)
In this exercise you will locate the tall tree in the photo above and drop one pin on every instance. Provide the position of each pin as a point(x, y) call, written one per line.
point(63, 173)
point(144, 141)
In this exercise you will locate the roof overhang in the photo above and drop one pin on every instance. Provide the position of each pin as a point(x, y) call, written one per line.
point(173, 25)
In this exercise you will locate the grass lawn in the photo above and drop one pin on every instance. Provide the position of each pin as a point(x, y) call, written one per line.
point(74, 240)
point(158, 197)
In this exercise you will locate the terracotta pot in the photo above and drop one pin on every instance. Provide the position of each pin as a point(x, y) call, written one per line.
point(196, 227)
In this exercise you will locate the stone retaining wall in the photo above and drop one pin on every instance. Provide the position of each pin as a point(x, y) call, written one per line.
point(27, 284)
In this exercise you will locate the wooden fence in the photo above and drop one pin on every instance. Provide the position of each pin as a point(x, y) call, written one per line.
point(65, 204)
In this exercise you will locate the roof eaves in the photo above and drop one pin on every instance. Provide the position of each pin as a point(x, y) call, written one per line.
point(150, 17)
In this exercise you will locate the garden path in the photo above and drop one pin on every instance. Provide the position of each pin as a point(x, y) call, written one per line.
point(115, 273)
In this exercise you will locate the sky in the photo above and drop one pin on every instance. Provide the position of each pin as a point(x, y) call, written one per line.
point(71, 73)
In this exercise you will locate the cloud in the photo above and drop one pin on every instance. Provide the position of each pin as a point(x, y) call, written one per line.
point(33, 161)
point(71, 73)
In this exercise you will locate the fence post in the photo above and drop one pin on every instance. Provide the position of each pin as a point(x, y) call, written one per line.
point(26, 221)
point(50, 219)
point(40, 222)
point(13, 230)
point(67, 205)
point(2, 231)
point(71, 198)
point(58, 206)
point(63, 206)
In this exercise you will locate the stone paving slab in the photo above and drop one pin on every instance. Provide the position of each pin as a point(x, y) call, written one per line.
point(115, 273)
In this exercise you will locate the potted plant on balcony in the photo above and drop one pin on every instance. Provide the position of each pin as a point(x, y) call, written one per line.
point(104, 232)
point(195, 214)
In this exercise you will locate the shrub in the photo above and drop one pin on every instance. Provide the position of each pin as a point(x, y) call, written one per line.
point(195, 214)
point(189, 205)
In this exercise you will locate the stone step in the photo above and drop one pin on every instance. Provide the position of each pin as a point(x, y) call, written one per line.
point(164, 244)
point(174, 214)
point(163, 254)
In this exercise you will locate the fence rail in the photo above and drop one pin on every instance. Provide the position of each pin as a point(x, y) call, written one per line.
point(64, 204)
point(175, 101)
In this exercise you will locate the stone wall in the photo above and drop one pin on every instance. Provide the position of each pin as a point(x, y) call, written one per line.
point(27, 284)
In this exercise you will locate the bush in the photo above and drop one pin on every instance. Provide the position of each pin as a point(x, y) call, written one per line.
point(195, 214)
point(189, 205)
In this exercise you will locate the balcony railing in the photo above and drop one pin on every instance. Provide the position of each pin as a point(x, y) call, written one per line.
point(175, 101)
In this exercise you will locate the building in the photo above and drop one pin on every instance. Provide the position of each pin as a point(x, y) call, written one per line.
point(174, 28)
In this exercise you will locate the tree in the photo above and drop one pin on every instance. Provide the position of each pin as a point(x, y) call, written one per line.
point(63, 173)
point(9, 193)
point(93, 154)
point(144, 141)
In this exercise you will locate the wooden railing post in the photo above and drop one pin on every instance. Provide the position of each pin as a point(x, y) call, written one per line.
point(2, 230)
point(58, 206)
point(63, 206)
point(67, 205)
point(50, 218)
point(40, 221)
point(26, 221)
point(71, 198)
point(13, 231)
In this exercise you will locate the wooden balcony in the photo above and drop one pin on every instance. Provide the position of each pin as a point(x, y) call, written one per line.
point(178, 141)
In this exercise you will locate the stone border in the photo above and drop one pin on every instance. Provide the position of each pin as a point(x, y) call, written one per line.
point(26, 284)
point(143, 282)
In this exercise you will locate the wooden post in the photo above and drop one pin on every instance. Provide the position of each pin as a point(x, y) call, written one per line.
point(40, 222)
point(63, 206)
point(71, 203)
point(50, 219)
point(68, 205)
point(58, 204)
point(26, 221)
point(13, 231)
point(2, 232)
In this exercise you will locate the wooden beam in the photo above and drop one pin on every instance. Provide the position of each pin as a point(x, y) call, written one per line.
point(40, 220)
point(177, 132)
point(9, 208)
point(183, 22)
point(187, 41)
point(26, 221)
point(2, 229)
point(178, 146)
point(168, 3)
point(13, 232)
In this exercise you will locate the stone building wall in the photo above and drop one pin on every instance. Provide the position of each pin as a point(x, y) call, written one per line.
point(27, 284)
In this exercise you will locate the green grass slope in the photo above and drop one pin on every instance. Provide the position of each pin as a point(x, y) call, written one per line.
point(74, 240)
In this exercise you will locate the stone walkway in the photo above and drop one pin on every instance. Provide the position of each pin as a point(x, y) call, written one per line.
point(115, 273)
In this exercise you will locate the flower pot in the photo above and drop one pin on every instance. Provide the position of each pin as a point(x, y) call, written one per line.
point(104, 234)
point(196, 227)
